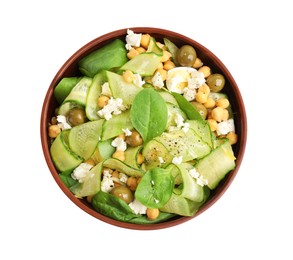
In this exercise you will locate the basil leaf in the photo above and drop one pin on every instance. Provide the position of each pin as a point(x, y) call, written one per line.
point(149, 114)
point(186, 107)
point(155, 188)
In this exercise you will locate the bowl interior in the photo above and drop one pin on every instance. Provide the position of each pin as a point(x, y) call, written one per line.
point(70, 69)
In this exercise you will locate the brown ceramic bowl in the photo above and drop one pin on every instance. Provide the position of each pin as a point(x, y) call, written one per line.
point(70, 68)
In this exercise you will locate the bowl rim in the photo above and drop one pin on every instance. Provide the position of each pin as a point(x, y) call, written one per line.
point(76, 56)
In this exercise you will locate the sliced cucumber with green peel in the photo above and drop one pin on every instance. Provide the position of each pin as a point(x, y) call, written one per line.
point(153, 47)
point(169, 98)
point(121, 89)
point(79, 92)
point(94, 93)
point(131, 154)
point(120, 166)
point(103, 151)
point(217, 164)
point(113, 127)
point(83, 139)
point(63, 158)
point(64, 87)
point(144, 64)
point(202, 129)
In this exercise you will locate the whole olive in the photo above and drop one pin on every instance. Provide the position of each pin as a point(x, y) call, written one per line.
point(200, 108)
point(216, 82)
point(123, 193)
point(134, 139)
point(76, 116)
point(186, 55)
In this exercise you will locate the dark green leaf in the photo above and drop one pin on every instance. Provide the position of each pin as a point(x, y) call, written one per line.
point(149, 114)
point(155, 188)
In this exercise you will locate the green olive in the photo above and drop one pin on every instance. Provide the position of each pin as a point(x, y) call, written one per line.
point(200, 108)
point(76, 116)
point(134, 139)
point(123, 193)
point(216, 82)
point(186, 56)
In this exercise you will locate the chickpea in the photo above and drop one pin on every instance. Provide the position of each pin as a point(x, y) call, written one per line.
point(210, 103)
point(140, 49)
point(201, 97)
point(140, 158)
point(217, 113)
point(166, 56)
point(205, 70)
point(103, 101)
point(115, 174)
point(132, 183)
point(169, 65)
point(119, 155)
point(163, 74)
point(90, 161)
point(89, 198)
point(134, 139)
point(128, 76)
point(145, 40)
point(222, 102)
point(233, 138)
point(197, 64)
point(54, 131)
point(225, 115)
point(213, 124)
point(152, 214)
point(132, 53)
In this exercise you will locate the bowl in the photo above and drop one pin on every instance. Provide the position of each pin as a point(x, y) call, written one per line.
point(70, 69)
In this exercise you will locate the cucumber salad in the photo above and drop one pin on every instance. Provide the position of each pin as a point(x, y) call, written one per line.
point(144, 133)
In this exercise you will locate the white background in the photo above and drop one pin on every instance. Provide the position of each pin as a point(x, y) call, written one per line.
point(253, 220)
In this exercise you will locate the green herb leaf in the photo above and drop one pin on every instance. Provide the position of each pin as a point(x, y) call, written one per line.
point(185, 106)
point(155, 188)
point(149, 114)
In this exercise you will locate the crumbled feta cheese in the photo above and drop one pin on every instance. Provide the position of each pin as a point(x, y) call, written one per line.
point(62, 123)
point(107, 183)
point(189, 93)
point(185, 127)
point(114, 106)
point(132, 39)
point(80, 172)
point(179, 120)
point(127, 132)
point(157, 80)
point(119, 143)
point(199, 178)
point(137, 80)
point(196, 80)
point(177, 160)
point(137, 207)
point(225, 127)
point(106, 91)
point(123, 177)
point(161, 160)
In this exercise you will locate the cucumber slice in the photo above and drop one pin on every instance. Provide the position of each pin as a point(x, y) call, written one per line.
point(153, 47)
point(65, 107)
point(172, 48)
point(156, 155)
point(64, 87)
point(121, 89)
point(217, 164)
point(83, 139)
point(173, 110)
point(63, 158)
point(120, 166)
point(188, 145)
point(103, 151)
point(168, 97)
point(94, 93)
point(79, 93)
point(144, 64)
point(114, 126)
point(91, 184)
point(131, 156)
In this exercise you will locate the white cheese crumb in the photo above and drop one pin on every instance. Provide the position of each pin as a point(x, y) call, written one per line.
point(225, 127)
point(119, 143)
point(80, 172)
point(123, 177)
point(114, 106)
point(106, 91)
point(137, 207)
point(132, 39)
point(107, 183)
point(161, 160)
point(137, 80)
point(62, 123)
point(199, 179)
point(157, 80)
point(177, 160)
point(127, 132)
